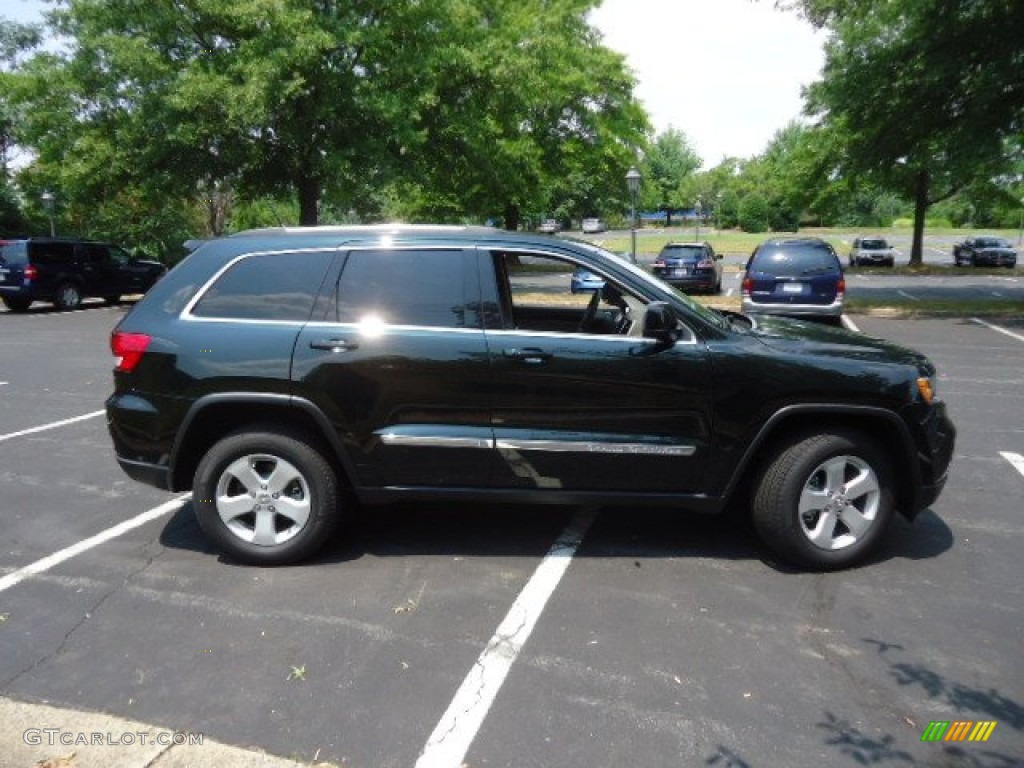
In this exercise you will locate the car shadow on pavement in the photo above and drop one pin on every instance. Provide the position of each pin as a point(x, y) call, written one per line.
point(504, 530)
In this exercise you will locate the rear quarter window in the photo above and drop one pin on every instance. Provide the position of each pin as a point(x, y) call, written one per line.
point(279, 287)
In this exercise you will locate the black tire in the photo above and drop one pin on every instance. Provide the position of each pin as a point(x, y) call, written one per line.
point(846, 527)
point(236, 511)
point(112, 299)
point(16, 304)
point(68, 296)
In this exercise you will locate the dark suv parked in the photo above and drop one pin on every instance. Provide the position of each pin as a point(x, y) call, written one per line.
point(284, 375)
point(66, 271)
point(796, 276)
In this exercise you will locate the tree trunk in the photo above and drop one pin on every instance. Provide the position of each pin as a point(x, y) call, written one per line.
point(309, 202)
point(511, 217)
point(920, 212)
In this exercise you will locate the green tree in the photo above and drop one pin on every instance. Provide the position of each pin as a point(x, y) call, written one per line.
point(924, 96)
point(525, 111)
point(463, 103)
point(669, 166)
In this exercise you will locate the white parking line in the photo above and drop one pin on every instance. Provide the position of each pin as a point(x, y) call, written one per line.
point(1004, 331)
point(907, 295)
point(48, 562)
point(849, 323)
point(51, 425)
point(1015, 459)
point(448, 744)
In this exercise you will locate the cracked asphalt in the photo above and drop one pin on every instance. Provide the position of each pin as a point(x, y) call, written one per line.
point(668, 641)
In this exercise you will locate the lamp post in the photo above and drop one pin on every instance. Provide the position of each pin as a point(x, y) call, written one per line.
point(1020, 235)
point(718, 211)
point(697, 208)
point(48, 202)
point(633, 182)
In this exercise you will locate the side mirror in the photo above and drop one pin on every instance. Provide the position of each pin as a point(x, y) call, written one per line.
point(660, 323)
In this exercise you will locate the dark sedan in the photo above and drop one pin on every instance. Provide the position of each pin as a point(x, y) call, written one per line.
point(985, 251)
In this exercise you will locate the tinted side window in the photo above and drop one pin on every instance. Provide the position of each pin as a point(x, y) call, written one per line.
point(95, 254)
point(267, 287)
point(53, 254)
point(436, 288)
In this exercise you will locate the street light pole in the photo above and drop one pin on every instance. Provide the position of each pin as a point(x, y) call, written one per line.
point(1020, 235)
point(697, 208)
point(633, 182)
point(48, 201)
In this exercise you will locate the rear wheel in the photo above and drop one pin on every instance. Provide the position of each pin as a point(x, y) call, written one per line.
point(68, 296)
point(16, 304)
point(824, 500)
point(266, 497)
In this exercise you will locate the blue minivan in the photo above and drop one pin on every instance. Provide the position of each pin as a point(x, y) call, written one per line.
point(798, 277)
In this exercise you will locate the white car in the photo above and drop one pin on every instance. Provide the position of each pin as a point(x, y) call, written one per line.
point(872, 250)
point(593, 226)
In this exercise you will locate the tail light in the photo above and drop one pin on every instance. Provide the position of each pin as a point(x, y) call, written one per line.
point(705, 264)
point(659, 263)
point(30, 272)
point(128, 349)
point(747, 285)
point(841, 287)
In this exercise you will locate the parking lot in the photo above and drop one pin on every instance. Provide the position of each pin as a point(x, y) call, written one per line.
point(512, 636)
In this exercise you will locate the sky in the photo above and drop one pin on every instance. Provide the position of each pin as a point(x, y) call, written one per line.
point(727, 73)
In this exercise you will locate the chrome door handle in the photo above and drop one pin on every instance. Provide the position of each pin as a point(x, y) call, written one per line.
point(334, 345)
point(531, 355)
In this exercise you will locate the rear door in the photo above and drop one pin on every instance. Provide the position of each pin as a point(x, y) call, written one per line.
point(399, 363)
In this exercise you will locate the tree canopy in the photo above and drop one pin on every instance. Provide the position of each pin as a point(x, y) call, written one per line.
point(463, 108)
point(924, 96)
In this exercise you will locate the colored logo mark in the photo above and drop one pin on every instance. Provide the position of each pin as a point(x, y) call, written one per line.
point(958, 730)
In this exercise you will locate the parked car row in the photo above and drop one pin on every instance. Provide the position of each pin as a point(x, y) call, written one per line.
point(65, 271)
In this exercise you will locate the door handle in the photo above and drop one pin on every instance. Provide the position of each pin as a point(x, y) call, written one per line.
point(531, 355)
point(334, 345)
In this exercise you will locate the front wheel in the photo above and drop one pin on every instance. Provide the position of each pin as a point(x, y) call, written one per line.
point(266, 497)
point(824, 500)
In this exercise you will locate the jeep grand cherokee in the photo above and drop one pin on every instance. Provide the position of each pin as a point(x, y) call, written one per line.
point(285, 375)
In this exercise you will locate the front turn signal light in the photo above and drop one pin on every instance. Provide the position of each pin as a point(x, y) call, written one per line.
point(924, 386)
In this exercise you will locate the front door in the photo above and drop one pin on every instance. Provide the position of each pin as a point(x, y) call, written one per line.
point(583, 402)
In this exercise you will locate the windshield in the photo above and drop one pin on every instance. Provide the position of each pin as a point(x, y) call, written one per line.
point(794, 261)
point(689, 252)
point(13, 253)
point(992, 242)
point(874, 245)
point(708, 315)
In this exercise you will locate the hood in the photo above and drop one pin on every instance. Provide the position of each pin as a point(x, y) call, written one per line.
point(805, 337)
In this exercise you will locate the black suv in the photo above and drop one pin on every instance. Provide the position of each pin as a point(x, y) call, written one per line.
point(285, 375)
point(65, 271)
